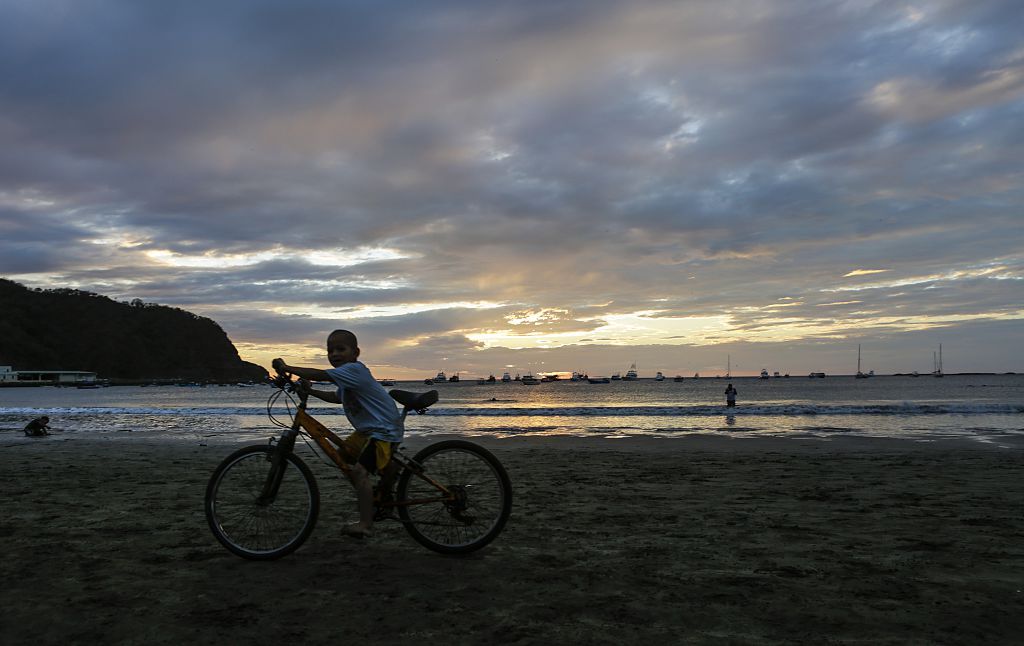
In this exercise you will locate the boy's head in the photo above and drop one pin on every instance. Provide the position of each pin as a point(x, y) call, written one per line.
point(342, 348)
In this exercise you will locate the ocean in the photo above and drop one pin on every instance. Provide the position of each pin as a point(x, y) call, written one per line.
point(982, 408)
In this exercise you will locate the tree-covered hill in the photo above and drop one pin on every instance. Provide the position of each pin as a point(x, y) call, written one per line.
point(67, 329)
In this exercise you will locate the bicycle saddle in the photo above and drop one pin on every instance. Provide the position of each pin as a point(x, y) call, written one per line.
point(414, 401)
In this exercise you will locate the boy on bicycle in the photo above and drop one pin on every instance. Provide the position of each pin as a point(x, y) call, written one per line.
point(371, 411)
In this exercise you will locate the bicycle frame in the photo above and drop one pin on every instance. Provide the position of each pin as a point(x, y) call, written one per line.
point(326, 440)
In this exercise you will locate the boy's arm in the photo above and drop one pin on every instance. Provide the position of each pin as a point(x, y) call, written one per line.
point(306, 375)
point(313, 374)
point(329, 396)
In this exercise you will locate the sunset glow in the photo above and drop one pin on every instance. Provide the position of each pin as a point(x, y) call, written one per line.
point(585, 185)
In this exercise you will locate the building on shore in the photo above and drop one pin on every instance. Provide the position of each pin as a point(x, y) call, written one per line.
point(9, 376)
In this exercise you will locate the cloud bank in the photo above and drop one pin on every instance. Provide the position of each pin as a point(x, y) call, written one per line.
point(556, 185)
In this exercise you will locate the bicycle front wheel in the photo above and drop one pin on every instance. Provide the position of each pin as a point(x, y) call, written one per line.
point(252, 524)
point(475, 508)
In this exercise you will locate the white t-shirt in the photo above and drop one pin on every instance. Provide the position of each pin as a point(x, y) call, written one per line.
point(368, 407)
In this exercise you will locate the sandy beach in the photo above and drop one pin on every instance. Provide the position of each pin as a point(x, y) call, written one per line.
point(688, 540)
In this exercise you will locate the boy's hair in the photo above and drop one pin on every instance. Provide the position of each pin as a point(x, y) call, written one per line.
point(347, 337)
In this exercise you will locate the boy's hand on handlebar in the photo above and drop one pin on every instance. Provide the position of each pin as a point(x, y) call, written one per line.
point(303, 387)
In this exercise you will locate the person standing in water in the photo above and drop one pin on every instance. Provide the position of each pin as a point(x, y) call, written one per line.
point(730, 396)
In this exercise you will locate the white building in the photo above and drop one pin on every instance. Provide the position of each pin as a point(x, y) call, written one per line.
point(8, 375)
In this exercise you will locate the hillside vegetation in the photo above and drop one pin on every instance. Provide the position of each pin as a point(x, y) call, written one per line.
point(68, 329)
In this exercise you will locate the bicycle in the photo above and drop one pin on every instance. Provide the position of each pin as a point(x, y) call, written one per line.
point(262, 501)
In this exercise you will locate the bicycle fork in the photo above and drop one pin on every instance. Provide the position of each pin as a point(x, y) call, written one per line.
point(278, 463)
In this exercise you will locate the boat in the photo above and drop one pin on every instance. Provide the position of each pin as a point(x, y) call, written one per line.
point(630, 374)
point(659, 377)
point(728, 366)
point(428, 382)
point(440, 377)
point(454, 377)
point(696, 375)
point(764, 373)
point(598, 380)
point(551, 377)
point(777, 375)
point(861, 375)
point(818, 375)
point(387, 382)
point(577, 376)
point(491, 379)
point(915, 374)
point(505, 378)
point(616, 377)
point(938, 364)
point(529, 380)
point(677, 378)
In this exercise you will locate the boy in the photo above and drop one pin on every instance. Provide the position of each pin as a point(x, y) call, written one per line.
point(371, 411)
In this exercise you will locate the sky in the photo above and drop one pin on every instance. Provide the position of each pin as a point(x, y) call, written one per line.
point(532, 186)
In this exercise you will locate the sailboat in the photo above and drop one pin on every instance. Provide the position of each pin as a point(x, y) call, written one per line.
point(728, 366)
point(938, 364)
point(860, 375)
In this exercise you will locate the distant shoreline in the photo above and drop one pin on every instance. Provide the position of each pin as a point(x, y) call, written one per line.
point(216, 382)
point(103, 383)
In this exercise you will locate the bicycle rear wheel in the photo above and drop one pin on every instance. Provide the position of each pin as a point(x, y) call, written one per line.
point(247, 523)
point(477, 509)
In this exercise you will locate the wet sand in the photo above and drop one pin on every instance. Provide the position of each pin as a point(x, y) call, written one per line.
point(691, 540)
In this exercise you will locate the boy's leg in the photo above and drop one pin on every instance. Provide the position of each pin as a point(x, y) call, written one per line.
point(364, 495)
point(386, 485)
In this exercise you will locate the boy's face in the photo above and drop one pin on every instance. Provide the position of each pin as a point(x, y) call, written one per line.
point(339, 352)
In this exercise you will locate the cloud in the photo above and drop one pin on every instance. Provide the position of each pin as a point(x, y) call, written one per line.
point(616, 171)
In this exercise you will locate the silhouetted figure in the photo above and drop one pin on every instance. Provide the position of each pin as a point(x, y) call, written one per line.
point(730, 396)
point(37, 427)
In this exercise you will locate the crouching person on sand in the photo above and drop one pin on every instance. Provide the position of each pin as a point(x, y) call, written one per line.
point(38, 427)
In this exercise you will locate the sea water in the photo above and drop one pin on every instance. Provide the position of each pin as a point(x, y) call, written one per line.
point(984, 408)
